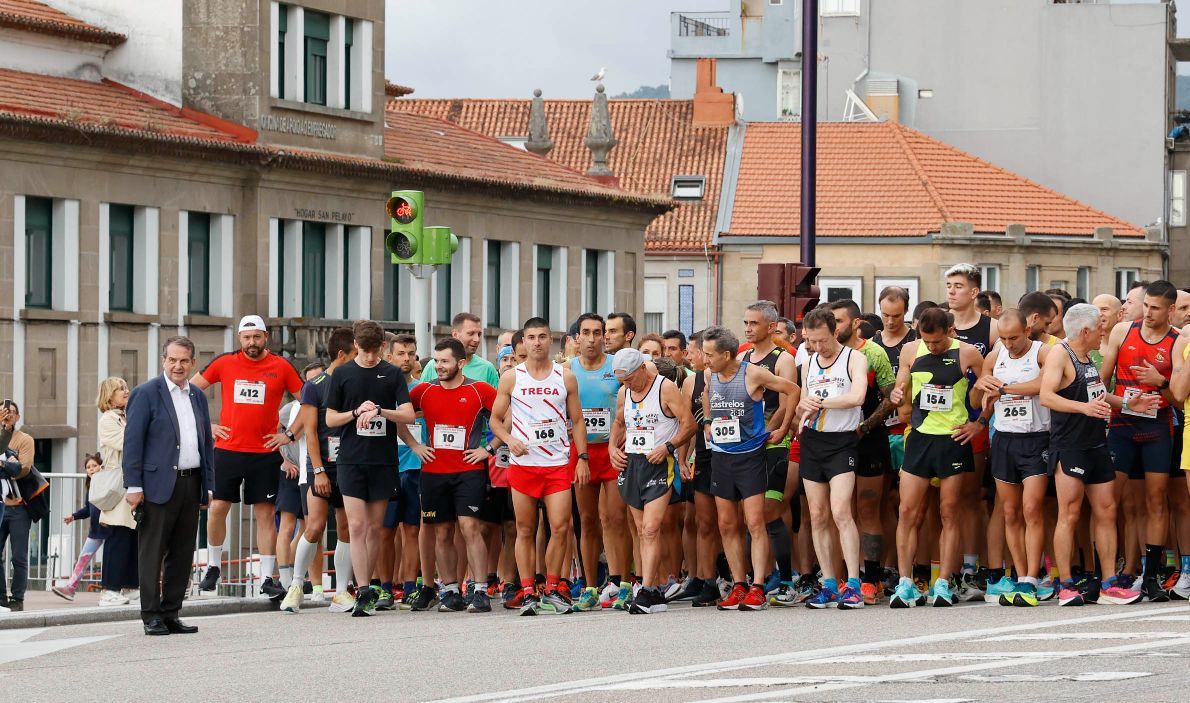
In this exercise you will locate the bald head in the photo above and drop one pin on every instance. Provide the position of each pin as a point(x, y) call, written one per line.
point(1109, 309)
point(1181, 310)
point(1133, 307)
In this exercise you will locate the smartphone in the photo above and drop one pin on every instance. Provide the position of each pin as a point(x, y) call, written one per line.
point(139, 514)
point(7, 403)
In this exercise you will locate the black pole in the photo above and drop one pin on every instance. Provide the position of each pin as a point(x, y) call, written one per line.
point(809, 126)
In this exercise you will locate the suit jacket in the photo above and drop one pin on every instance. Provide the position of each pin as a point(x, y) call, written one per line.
point(152, 444)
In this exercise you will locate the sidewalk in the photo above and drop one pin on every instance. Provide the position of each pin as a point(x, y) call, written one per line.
point(44, 609)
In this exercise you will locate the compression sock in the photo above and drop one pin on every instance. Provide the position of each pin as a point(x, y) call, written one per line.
point(304, 557)
point(872, 572)
point(286, 573)
point(343, 573)
point(782, 545)
point(1154, 556)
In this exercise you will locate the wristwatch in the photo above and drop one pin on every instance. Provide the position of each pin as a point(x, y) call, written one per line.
point(290, 435)
point(1164, 384)
point(670, 446)
point(983, 421)
point(583, 456)
point(355, 413)
point(319, 470)
point(489, 449)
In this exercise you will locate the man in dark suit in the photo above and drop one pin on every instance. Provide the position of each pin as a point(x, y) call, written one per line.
point(169, 470)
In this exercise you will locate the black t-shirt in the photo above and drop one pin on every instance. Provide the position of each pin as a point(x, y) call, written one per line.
point(314, 393)
point(350, 386)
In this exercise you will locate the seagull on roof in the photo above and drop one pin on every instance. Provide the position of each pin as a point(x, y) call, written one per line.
point(599, 76)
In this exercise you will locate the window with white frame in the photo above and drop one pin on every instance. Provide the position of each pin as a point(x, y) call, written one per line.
point(1032, 278)
point(839, 8)
point(205, 263)
point(128, 267)
point(311, 276)
point(501, 285)
point(789, 94)
point(1082, 284)
point(452, 285)
point(842, 288)
point(598, 281)
point(1177, 199)
point(990, 276)
point(320, 58)
point(46, 252)
point(1124, 280)
point(911, 285)
point(656, 298)
point(688, 187)
point(549, 284)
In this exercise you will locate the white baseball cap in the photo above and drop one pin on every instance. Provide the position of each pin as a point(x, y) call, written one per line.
point(251, 323)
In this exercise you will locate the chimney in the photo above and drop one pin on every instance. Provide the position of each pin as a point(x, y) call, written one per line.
point(539, 129)
point(711, 105)
point(600, 139)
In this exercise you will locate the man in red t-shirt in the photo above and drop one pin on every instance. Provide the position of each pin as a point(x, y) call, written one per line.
point(454, 475)
point(246, 442)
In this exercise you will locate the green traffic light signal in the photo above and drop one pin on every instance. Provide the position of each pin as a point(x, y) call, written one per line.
point(405, 240)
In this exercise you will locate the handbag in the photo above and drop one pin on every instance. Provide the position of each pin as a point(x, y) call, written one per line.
point(107, 488)
point(36, 495)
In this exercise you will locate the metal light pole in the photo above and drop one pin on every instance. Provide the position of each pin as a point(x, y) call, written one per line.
point(809, 127)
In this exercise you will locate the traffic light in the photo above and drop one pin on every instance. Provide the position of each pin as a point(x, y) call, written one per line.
point(405, 239)
point(438, 244)
point(791, 286)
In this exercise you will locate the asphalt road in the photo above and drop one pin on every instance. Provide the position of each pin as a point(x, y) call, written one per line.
point(972, 652)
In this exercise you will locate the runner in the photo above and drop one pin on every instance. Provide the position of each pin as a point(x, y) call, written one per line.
point(1132, 307)
point(602, 512)
point(1011, 384)
point(404, 513)
point(454, 480)
point(873, 470)
point(619, 332)
point(366, 396)
point(322, 455)
point(894, 304)
point(675, 344)
point(1140, 436)
point(836, 382)
point(1180, 388)
point(933, 378)
point(652, 419)
point(1080, 407)
point(254, 383)
point(539, 398)
point(1039, 311)
point(697, 470)
point(760, 319)
point(739, 474)
point(468, 329)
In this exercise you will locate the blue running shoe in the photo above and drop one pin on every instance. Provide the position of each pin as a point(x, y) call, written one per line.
point(941, 595)
point(773, 583)
point(826, 598)
point(906, 595)
point(1045, 590)
point(1005, 586)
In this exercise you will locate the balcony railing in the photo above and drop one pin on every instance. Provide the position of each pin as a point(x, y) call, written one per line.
point(703, 26)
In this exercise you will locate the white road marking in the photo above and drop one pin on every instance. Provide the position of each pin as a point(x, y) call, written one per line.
point(1035, 678)
point(1164, 618)
point(927, 700)
point(932, 657)
point(1079, 636)
point(14, 647)
point(565, 688)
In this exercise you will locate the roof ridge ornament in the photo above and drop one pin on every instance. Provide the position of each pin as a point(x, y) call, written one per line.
point(600, 138)
point(539, 129)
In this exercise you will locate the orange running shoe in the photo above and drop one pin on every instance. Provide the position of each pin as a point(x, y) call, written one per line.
point(870, 593)
point(756, 599)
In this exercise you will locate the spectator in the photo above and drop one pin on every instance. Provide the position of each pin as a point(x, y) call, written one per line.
point(97, 533)
point(997, 304)
point(674, 344)
point(120, 575)
point(15, 464)
point(983, 303)
point(652, 345)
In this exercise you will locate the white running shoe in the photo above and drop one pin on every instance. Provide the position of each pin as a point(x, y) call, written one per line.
point(318, 596)
point(293, 599)
point(112, 598)
point(343, 602)
point(1181, 589)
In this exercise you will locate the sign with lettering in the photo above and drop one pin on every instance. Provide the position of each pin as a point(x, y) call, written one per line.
point(305, 213)
point(298, 125)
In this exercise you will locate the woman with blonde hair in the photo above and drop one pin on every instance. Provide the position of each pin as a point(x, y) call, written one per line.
point(121, 579)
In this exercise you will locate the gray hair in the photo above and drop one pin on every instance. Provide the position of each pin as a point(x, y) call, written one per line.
point(767, 308)
point(723, 339)
point(1080, 317)
point(179, 341)
point(969, 271)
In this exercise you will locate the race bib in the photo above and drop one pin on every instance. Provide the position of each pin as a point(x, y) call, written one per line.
point(936, 398)
point(823, 388)
point(1095, 389)
point(639, 441)
point(503, 457)
point(415, 430)
point(450, 437)
point(249, 392)
point(725, 430)
point(1016, 408)
point(892, 420)
point(1129, 394)
point(597, 420)
point(376, 427)
point(332, 448)
point(544, 432)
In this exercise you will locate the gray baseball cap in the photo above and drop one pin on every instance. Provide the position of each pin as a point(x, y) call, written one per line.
point(626, 361)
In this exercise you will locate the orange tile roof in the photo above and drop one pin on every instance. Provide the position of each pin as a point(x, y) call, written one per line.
point(34, 16)
point(419, 143)
point(108, 104)
point(888, 180)
point(394, 90)
point(657, 142)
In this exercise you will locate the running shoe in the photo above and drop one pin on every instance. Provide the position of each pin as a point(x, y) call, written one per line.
point(784, 596)
point(732, 602)
point(996, 591)
point(272, 588)
point(709, 595)
point(870, 593)
point(588, 600)
point(1153, 592)
point(481, 603)
point(773, 582)
point(1070, 594)
point(531, 604)
point(564, 587)
point(318, 596)
point(344, 601)
point(1124, 580)
point(623, 595)
point(426, 598)
point(941, 596)
point(755, 600)
point(826, 598)
point(1112, 593)
point(468, 591)
point(1171, 580)
point(906, 595)
point(66, 591)
point(981, 577)
point(365, 603)
point(493, 590)
point(1046, 590)
point(576, 589)
point(452, 602)
point(556, 602)
point(384, 600)
point(648, 601)
point(293, 599)
point(210, 579)
point(891, 580)
point(807, 588)
point(691, 587)
point(671, 588)
point(1025, 596)
point(1091, 589)
point(1181, 589)
point(967, 589)
point(609, 594)
point(511, 596)
point(851, 599)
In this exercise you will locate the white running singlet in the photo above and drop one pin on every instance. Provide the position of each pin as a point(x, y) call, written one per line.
point(832, 382)
point(646, 423)
point(1016, 413)
point(539, 418)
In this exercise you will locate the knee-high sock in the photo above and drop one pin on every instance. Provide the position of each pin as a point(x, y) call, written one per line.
point(782, 546)
point(343, 574)
point(303, 558)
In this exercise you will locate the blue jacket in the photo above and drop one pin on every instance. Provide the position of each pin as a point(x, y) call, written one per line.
point(152, 446)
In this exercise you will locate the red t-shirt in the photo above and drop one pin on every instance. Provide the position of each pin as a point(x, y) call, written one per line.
point(455, 419)
point(252, 393)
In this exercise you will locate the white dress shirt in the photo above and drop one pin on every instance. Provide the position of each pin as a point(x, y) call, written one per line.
point(188, 457)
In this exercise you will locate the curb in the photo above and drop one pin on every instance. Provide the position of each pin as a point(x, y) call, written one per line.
point(87, 616)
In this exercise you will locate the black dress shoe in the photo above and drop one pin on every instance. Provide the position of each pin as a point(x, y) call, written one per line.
point(177, 627)
point(156, 627)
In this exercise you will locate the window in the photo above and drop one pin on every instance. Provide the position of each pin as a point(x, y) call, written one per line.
point(789, 94)
point(656, 296)
point(494, 270)
point(598, 281)
point(121, 253)
point(282, 27)
point(1082, 286)
point(686, 309)
point(1060, 285)
point(591, 280)
point(1124, 280)
point(518, 142)
point(443, 279)
point(1032, 278)
point(348, 40)
point(313, 269)
point(501, 291)
point(909, 284)
point(1177, 199)
point(839, 8)
point(318, 34)
point(198, 258)
point(39, 252)
point(688, 187)
point(848, 288)
point(990, 273)
point(545, 283)
point(392, 287)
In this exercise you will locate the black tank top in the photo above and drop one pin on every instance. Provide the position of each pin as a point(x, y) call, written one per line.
point(700, 384)
point(771, 398)
point(1076, 430)
point(894, 351)
point(978, 335)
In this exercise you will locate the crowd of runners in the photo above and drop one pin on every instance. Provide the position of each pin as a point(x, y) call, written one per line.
point(956, 451)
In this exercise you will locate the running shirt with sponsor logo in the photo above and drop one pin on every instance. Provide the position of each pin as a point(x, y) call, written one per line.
point(978, 335)
point(770, 398)
point(939, 390)
point(351, 385)
point(1016, 413)
point(832, 381)
point(646, 423)
point(1077, 430)
point(455, 418)
point(1135, 351)
point(597, 393)
point(539, 418)
point(251, 395)
point(737, 421)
